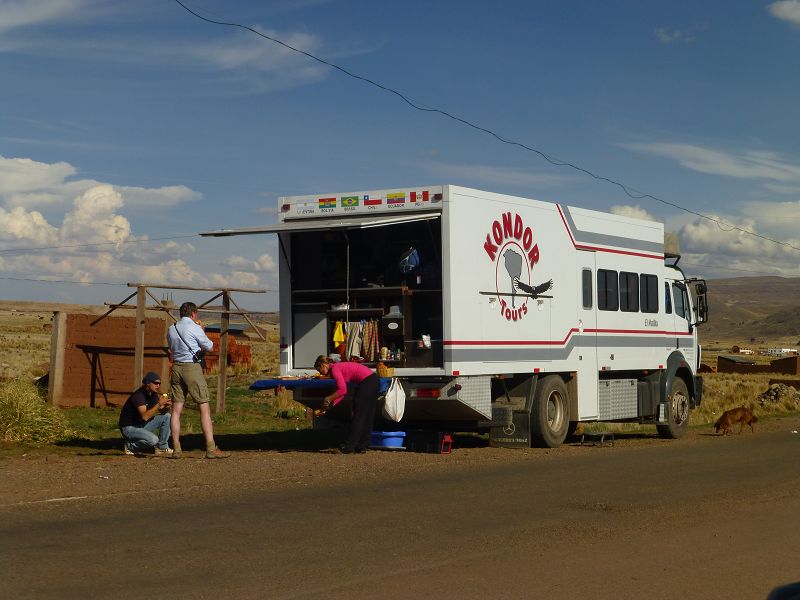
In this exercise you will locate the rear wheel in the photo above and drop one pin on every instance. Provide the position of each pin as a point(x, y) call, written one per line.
point(677, 411)
point(550, 413)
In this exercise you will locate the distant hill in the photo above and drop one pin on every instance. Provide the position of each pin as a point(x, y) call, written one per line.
point(764, 308)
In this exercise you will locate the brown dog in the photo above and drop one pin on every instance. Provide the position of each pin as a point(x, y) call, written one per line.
point(743, 416)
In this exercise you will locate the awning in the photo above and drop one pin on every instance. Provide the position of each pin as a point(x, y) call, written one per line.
point(360, 222)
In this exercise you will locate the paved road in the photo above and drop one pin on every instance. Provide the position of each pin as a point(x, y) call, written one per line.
point(715, 518)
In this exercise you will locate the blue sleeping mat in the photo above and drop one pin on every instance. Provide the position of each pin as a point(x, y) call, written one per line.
point(294, 384)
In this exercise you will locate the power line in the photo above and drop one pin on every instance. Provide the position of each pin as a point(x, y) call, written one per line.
point(62, 281)
point(69, 281)
point(629, 191)
point(140, 241)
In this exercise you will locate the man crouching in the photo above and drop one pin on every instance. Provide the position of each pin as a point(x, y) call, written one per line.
point(144, 413)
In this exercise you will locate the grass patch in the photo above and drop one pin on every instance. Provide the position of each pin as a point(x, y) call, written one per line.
point(25, 416)
point(251, 421)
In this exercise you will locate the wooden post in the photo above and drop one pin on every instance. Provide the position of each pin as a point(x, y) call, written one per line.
point(55, 378)
point(223, 351)
point(138, 361)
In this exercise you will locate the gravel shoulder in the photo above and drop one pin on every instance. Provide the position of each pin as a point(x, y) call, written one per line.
point(40, 477)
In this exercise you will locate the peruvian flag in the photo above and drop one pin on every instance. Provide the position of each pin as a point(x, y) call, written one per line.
point(416, 197)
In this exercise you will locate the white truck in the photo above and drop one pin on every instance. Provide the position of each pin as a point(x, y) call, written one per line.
point(495, 311)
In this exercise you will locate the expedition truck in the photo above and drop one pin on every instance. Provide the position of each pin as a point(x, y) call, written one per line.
point(522, 316)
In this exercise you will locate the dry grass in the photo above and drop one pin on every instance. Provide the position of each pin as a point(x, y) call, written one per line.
point(25, 340)
point(723, 391)
point(25, 416)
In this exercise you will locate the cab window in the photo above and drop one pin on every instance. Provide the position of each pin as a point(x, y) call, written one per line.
point(667, 299)
point(678, 295)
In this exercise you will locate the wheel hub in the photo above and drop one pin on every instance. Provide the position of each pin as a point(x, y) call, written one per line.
point(680, 407)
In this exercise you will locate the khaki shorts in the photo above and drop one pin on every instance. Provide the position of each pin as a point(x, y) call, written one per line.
point(187, 380)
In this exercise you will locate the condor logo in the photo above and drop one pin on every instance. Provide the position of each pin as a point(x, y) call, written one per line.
point(510, 244)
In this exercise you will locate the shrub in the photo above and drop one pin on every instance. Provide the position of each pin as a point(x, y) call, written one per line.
point(26, 417)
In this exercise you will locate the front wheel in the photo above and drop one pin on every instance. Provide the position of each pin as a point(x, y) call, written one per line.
point(677, 411)
point(550, 413)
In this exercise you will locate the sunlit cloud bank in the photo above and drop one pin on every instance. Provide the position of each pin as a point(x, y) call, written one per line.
point(720, 250)
point(92, 238)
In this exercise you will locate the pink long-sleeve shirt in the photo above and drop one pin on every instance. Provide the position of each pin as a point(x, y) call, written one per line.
point(347, 372)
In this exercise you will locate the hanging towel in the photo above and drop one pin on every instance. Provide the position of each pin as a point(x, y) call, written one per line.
point(369, 345)
point(353, 340)
point(338, 334)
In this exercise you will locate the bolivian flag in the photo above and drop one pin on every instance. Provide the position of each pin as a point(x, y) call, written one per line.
point(327, 202)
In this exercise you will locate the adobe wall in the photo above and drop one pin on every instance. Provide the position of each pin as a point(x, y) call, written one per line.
point(97, 361)
point(786, 366)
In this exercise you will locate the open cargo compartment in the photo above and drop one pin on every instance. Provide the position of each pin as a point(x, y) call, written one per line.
point(385, 277)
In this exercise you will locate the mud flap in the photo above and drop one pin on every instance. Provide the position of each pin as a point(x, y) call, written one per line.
point(513, 434)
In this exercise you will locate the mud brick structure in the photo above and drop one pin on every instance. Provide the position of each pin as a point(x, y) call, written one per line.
point(91, 364)
point(733, 364)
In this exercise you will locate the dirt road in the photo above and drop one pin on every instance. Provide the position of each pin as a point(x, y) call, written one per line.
point(704, 517)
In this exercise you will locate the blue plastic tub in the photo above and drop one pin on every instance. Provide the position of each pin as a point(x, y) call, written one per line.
point(388, 439)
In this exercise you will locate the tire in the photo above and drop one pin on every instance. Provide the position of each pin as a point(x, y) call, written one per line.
point(677, 411)
point(550, 413)
point(571, 429)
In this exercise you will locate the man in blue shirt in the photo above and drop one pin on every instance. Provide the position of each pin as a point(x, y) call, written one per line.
point(187, 341)
point(143, 414)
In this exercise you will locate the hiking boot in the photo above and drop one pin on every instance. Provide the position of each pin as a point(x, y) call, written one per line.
point(165, 452)
point(216, 453)
point(177, 453)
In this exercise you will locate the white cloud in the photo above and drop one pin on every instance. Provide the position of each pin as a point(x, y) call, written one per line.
point(93, 220)
point(780, 220)
point(25, 13)
point(165, 196)
point(786, 10)
point(29, 184)
point(263, 264)
point(492, 175)
point(748, 164)
point(23, 175)
point(95, 240)
point(637, 212)
point(668, 36)
point(19, 225)
point(706, 237)
point(239, 279)
point(265, 65)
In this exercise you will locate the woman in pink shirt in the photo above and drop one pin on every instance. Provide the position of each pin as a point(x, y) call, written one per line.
point(365, 397)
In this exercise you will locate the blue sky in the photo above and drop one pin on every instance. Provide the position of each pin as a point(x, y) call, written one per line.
point(123, 121)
